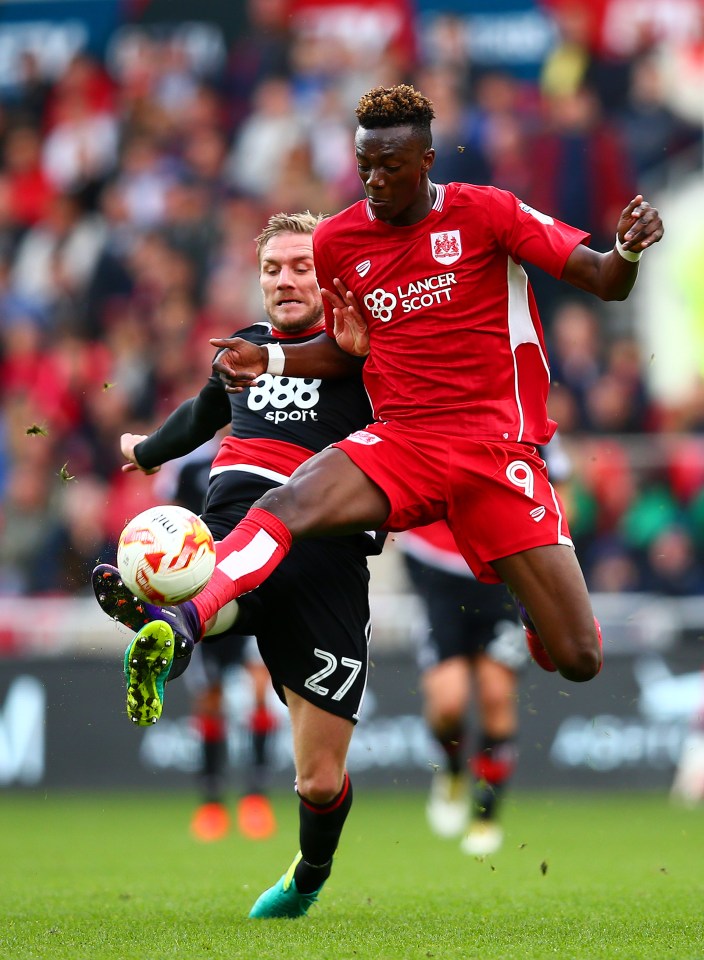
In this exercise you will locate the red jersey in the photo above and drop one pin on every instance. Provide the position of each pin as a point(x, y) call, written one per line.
point(455, 336)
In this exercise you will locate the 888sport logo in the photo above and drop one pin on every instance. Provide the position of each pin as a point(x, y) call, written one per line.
point(282, 393)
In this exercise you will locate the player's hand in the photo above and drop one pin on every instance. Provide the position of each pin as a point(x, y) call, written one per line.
point(128, 441)
point(640, 225)
point(349, 328)
point(239, 363)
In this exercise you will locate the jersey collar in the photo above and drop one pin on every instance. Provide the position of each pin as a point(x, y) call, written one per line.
point(438, 205)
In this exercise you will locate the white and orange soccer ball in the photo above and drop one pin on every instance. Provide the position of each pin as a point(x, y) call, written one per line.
point(166, 555)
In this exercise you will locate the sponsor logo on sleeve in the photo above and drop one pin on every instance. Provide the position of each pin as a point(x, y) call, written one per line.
point(542, 217)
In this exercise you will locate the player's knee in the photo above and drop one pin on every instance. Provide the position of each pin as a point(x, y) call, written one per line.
point(319, 786)
point(495, 705)
point(444, 717)
point(293, 509)
point(583, 662)
point(273, 501)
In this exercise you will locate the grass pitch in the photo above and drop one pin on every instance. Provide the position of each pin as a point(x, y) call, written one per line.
point(117, 877)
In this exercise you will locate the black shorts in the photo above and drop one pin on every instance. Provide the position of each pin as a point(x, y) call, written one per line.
point(311, 615)
point(465, 618)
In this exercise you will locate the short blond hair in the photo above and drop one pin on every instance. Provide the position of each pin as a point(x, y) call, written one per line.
point(304, 223)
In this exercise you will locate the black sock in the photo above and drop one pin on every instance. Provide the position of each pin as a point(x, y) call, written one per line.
point(452, 743)
point(309, 878)
point(320, 829)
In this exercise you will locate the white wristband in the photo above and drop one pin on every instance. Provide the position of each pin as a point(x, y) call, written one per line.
point(277, 359)
point(627, 254)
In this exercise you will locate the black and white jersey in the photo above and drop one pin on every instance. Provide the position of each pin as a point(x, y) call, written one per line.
point(275, 425)
point(306, 412)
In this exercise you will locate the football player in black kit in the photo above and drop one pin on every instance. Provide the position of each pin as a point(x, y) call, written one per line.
point(311, 617)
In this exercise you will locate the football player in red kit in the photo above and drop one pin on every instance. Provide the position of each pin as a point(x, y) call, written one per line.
point(457, 374)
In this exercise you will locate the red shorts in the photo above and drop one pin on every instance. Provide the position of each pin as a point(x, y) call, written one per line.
point(496, 497)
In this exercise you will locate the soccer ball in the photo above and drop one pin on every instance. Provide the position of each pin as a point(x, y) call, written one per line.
point(166, 555)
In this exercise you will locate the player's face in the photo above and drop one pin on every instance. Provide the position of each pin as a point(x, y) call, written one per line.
point(393, 164)
point(292, 298)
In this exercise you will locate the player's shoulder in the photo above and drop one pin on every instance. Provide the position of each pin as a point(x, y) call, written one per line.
point(488, 207)
point(478, 195)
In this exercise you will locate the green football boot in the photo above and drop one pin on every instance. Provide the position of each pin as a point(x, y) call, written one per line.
point(283, 901)
point(148, 659)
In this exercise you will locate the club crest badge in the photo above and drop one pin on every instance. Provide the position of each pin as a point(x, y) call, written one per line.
point(446, 247)
point(364, 437)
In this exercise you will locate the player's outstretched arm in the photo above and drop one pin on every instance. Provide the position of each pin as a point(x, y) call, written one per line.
point(241, 363)
point(350, 330)
point(611, 276)
point(192, 423)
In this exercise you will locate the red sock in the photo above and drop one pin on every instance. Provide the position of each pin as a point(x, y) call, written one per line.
point(246, 557)
point(209, 728)
point(262, 720)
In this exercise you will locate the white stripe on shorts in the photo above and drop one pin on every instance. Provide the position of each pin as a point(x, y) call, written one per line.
point(250, 468)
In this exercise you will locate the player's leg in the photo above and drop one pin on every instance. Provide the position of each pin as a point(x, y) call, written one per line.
point(326, 495)
point(161, 649)
point(211, 820)
point(145, 672)
point(443, 659)
point(494, 760)
point(320, 742)
point(549, 583)
point(446, 693)
point(508, 521)
point(316, 646)
point(204, 680)
point(255, 815)
point(478, 646)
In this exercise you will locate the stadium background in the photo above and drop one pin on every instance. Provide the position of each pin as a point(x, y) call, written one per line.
point(142, 146)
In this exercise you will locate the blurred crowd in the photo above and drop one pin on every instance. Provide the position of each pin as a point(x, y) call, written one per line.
point(130, 194)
